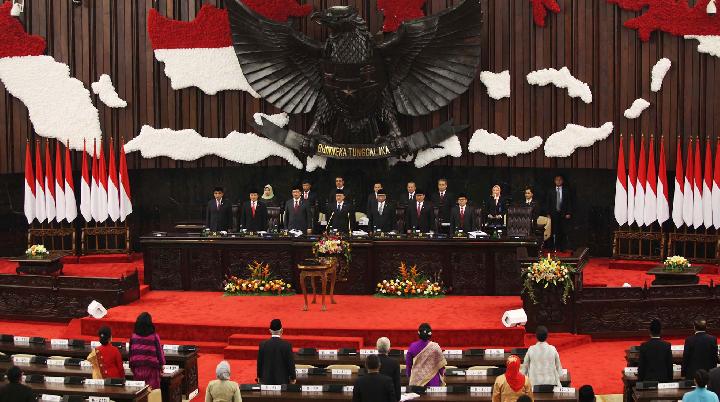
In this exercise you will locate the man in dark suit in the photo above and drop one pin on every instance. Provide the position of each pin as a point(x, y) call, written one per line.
point(340, 185)
point(714, 381)
point(275, 362)
point(254, 215)
point(308, 194)
point(656, 363)
point(372, 197)
point(389, 366)
point(530, 201)
point(373, 387)
point(444, 201)
point(700, 351)
point(14, 391)
point(419, 215)
point(218, 216)
point(381, 215)
point(560, 203)
point(340, 214)
point(462, 216)
point(297, 214)
point(409, 196)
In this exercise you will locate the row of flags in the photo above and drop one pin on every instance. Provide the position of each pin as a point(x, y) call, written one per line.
point(641, 192)
point(51, 196)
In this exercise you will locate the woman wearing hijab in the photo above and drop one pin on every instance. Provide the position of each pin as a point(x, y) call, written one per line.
point(106, 359)
point(424, 361)
point(511, 385)
point(146, 353)
point(222, 389)
point(268, 197)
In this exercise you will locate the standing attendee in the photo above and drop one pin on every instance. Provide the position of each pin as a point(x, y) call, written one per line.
point(700, 351)
point(511, 385)
point(560, 202)
point(462, 216)
point(409, 197)
point(700, 393)
point(254, 215)
point(381, 216)
point(586, 393)
point(297, 214)
point(340, 214)
point(424, 360)
point(444, 201)
point(275, 361)
point(656, 361)
point(340, 185)
point(14, 391)
point(106, 359)
point(373, 387)
point(308, 194)
point(222, 389)
point(146, 353)
point(542, 361)
point(496, 206)
point(218, 216)
point(419, 215)
point(530, 201)
point(389, 366)
point(373, 197)
point(268, 198)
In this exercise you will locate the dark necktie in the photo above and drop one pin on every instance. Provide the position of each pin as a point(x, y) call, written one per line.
point(338, 207)
point(462, 217)
point(419, 208)
point(297, 205)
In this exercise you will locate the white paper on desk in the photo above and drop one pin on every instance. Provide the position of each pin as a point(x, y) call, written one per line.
point(677, 347)
point(364, 221)
point(262, 233)
point(408, 397)
point(359, 232)
point(477, 233)
point(295, 232)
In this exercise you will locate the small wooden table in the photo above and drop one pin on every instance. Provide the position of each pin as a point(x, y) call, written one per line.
point(323, 268)
point(687, 277)
point(40, 266)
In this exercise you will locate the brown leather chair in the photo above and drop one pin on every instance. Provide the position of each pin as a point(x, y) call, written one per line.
point(235, 217)
point(478, 218)
point(274, 217)
point(520, 222)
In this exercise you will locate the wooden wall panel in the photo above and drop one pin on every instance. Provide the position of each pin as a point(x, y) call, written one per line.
point(105, 36)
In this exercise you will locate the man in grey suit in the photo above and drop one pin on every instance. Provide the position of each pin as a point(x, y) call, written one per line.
point(297, 214)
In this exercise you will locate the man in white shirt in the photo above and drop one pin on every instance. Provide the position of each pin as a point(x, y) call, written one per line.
point(542, 361)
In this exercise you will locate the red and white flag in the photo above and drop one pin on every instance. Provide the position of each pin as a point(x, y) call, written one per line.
point(85, 189)
point(102, 198)
point(707, 187)
point(677, 211)
point(663, 201)
point(716, 189)
point(39, 186)
point(640, 188)
point(650, 207)
point(697, 188)
point(49, 185)
point(29, 201)
point(688, 186)
point(621, 188)
point(632, 181)
point(125, 201)
point(59, 185)
point(70, 203)
point(94, 184)
point(112, 183)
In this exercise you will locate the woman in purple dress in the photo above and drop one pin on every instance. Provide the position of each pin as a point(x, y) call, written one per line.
point(146, 353)
point(424, 361)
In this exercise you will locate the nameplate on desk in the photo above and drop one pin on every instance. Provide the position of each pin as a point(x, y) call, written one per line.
point(453, 352)
point(348, 388)
point(170, 368)
point(95, 344)
point(436, 390)
point(91, 381)
point(677, 347)
point(563, 390)
point(56, 380)
point(480, 390)
point(21, 339)
point(59, 342)
point(51, 398)
point(564, 371)
point(134, 383)
point(265, 387)
point(403, 390)
point(55, 362)
point(341, 372)
point(99, 399)
point(367, 352)
point(631, 370)
point(327, 352)
point(677, 367)
point(301, 371)
point(311, 388)
point(476, 373)
point(494, 351)
point(668, 385)
point(171, 347)
point(85, 364)
point(21, 360)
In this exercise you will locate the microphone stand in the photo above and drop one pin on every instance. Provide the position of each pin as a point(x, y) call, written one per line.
point(327, 226)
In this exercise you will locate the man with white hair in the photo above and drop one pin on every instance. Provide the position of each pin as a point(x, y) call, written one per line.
point(389, 366)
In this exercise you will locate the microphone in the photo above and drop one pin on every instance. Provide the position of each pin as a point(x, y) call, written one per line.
point(349, 225)
point(327, 226)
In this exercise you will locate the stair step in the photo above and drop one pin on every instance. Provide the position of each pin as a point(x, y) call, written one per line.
point(240, 352)
point(300, 341)
point(203, 347)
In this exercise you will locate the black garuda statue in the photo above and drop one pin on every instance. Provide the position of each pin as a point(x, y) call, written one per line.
point(356, 84)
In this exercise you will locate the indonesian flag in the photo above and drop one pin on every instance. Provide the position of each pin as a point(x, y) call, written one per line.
point(651, 187)
point(677, 211)
point(112, 188)
point(125, 202)
point(49, 185)
point(198, 53)
point(632, 182)
point(29, 201)
point(697, 195)
point(59, 185)
point(102, 199)
point(716, 189)
point(39, 186)
point(621, 195)
point(94, 186)
point(70, 203)
point(662, 206)
point(688, 186)
point(85, 189)
point(707, 188)
point(640, 188)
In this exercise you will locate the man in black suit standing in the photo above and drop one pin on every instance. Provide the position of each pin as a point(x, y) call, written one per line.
point(373, 387)
point(340, 185)
point(656, 362)
point(444, 201)
point(340, 214)
point(381, 215)
point(560, 202)
point(409, 197)
point(14, 391)
point(297, 214)
point(419, 215)
point(462, 216)
point(530, 201)
point(218, 216)
point(275, 362)
point(700, 351)
point(389, 366)
point(254, 216)
point(308, 195)
point(372, 197)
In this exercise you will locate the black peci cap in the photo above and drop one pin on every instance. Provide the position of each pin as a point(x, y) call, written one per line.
point(275, 325)
point(218, 188)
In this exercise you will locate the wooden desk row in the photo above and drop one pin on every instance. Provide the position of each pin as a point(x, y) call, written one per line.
point(463, 361)
point(474, 380)
point(632, 357)
point(117, 394)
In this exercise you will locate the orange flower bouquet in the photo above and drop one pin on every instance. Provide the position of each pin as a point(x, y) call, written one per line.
point(260, 282)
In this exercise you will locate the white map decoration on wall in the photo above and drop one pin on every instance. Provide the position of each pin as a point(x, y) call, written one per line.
point(562, 79)
point(497, 84)
point(492, 144)
point(636, 109)
point(659, 70)
point(709, 44)
point(105, 89)
point(563, 143)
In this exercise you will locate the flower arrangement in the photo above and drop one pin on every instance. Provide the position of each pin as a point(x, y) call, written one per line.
point(332, 245)
point(261, 282)
point(676, 263)
point(410, 283)
point(548, 272)
point(37, 251)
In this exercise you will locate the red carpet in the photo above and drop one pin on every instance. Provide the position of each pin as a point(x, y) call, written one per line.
point(110, 266)
point(597, 272)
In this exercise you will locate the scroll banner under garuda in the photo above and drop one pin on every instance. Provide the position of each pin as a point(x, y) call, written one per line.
point(354, 84)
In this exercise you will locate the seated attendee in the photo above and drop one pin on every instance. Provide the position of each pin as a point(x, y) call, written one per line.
point(254, 215)
point(700, 351)
point(106, 359)
point(542, 361)
point(268, 198)
point(389, 366)
point(381, 216)
point(656, 361)
point(340, 214)
point(13, 391)
point(146, 352)
point(700, 393)
point(373, 387)
point(462, 216)
point(510, 386)
point(275, 361)
point(222, 389)
point(218, 216)
point(424, 360)
point(495, 206)
point(586, 393)
point(297, 214)
point(419, 215)
point(372, 197)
